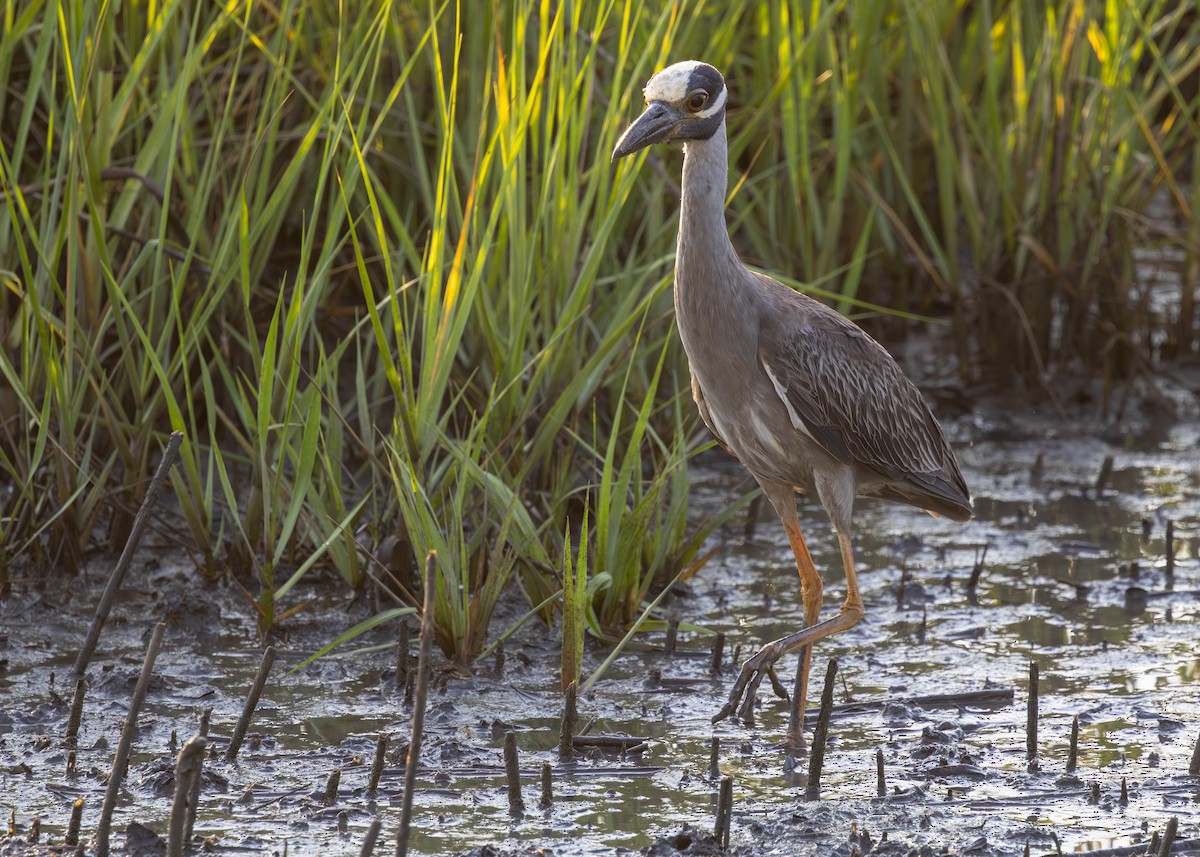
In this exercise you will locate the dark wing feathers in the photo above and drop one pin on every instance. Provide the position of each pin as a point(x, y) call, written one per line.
point(857, 404)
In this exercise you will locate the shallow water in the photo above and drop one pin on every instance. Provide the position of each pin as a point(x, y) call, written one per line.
point(1073, 577)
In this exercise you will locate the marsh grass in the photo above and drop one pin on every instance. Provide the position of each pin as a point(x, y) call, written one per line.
point(373, 261)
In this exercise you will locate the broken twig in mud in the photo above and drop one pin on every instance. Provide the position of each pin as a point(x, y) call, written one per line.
point(724, 812)
point(1073, 752)
point(547, 797)
point(121, 758)
point(76, 716)
point(977, 570)
point(194, 798)
point(998, 696)
point(717, 655)
point(672, 635)
point(187, 771)
point(368, 846)
point(816, 759)
point(570, 719)
point(1170, 548)
point(420, 692)
point(402, 655)
point(256, 689)
point(1180, 846)
point(611, 743)
point(72, 835)
point(1168, 839)
point(1194, 767)
point(135, 535)
point(880, 783)
point(331, 787)
point(714, 759)
point(377, 763)
point(1031, 714)
point(1105, 472)
point(512, 773)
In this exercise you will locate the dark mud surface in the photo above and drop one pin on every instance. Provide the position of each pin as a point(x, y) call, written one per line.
point(1074, 577)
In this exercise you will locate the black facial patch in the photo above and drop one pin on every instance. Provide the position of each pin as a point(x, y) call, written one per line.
point(701, 129)
point(707, 78)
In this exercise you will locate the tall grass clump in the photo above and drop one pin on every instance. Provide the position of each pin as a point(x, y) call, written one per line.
point(1003, 158)
point(373, 261)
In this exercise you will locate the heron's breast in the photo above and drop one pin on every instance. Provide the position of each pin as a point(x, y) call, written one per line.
point(757, 431)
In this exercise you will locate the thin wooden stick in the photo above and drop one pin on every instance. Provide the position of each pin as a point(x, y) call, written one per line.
point(816, 759)
point(121, 759)
point(424, 656)
point(1073, 753)
point(187, 771)
point(547, 798)
point(256, 689)
point(331, 787)
point(672, 635)
point(377, 764)
point(135, 535)
point(76, 715)
point(72, 837)
point(402, 655)
point(1031, 714)
point(194, 799)
point(724, 812)
point(512, 772)
point(1168, 840)
point(718, 654)
point(368, 846)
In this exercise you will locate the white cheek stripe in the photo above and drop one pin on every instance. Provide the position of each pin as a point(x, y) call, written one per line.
point(716, 108)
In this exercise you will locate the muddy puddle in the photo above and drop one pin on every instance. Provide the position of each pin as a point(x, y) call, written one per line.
point(1074, 577)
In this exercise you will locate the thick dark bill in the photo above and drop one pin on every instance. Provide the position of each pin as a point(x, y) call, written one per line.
point(653, 126)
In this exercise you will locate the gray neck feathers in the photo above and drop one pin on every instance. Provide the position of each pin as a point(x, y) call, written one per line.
point(710, 281)
point(703, 237)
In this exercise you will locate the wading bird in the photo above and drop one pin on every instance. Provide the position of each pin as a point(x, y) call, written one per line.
point(802, 396)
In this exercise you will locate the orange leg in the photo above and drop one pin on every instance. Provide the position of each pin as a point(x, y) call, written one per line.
point(757, 667)
point(812, 591)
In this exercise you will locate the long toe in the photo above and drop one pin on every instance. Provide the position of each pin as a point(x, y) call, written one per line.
point(777, 685)
point(753, 671)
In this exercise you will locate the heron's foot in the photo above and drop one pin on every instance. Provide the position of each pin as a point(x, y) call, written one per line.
point(795, 747)
point(745, 687)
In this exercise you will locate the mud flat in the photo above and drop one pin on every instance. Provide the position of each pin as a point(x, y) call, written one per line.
point(1065, 567)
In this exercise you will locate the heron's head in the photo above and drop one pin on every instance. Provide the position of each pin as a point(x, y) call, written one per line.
point(685, 101)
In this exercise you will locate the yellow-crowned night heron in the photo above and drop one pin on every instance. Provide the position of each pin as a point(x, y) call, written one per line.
point(802, 396)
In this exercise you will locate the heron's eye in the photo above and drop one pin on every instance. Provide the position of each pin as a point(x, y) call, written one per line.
point(696, 101)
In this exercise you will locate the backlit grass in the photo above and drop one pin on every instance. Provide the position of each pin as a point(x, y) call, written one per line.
point(372, 259)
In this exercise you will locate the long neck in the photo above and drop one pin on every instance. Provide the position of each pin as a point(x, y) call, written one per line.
point(711, 286)
point(703, 238)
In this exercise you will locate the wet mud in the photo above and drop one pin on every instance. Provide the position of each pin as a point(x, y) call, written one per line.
point(1066, 566)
